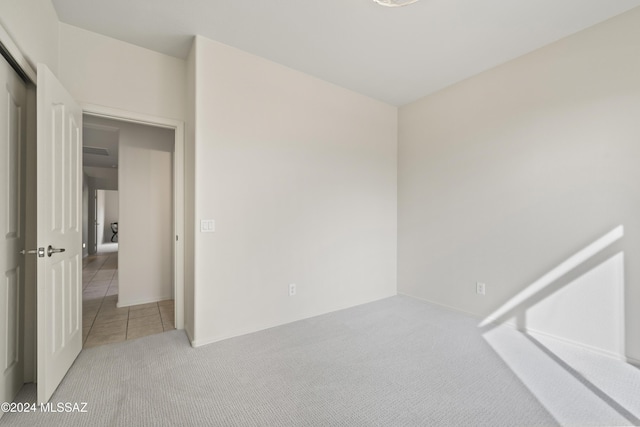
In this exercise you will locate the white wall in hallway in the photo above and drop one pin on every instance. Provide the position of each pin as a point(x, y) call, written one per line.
point(146, 215)
point(85, 214)
point(111, 210)
point(145, 218)
point(100, 217)
point(107, 213)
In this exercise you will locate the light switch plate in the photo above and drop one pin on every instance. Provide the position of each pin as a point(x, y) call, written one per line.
point(207, 226)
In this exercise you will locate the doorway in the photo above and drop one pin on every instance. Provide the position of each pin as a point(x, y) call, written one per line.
point(34, 345)
point(128, 275)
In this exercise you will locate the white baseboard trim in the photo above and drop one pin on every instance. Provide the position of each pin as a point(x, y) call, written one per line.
point(458, 310)
point(211, 340)
point(189, 336)
point(122, 304)
point(510, 323)
point(587, 347)
point(207, 341)
point(633, 361)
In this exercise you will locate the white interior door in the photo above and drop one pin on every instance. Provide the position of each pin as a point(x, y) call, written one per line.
point(12, 139)
point(59, 201)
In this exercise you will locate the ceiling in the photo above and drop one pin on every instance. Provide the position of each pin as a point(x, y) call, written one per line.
point(100, 137)
point(102, 168)
point(396, 55)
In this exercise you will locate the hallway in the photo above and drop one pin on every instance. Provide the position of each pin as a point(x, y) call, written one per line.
point(102, 321)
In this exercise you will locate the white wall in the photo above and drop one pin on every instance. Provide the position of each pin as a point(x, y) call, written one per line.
point(145, 222)
point(100, 217)
point(100, 70)
point(110, 213)
point(507, 175)
point(300, 177)
point(107, 213)
point(91, 226)
point(587, 309)
point(85, 214)
point(33, 26)
point(102, 178)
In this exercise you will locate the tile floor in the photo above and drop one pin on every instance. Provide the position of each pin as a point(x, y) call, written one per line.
point(102, 321)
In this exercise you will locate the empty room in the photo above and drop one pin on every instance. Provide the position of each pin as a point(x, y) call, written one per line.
point(374, 213)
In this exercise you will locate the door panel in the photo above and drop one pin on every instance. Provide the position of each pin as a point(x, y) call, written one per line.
point(57, 168)
point(56, 327)
point(59, 199)
point(12, 140)
point(73, 178)
point(12, 320)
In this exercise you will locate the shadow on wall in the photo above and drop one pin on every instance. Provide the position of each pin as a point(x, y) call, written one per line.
point(588, 299)
point(579, 301)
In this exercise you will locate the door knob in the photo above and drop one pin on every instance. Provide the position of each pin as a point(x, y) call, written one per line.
point(51, 250)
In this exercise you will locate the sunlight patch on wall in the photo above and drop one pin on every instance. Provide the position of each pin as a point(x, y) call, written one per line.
point(553, 275)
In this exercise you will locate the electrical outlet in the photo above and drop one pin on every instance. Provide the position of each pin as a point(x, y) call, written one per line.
point(292, 289)
point(480, 288)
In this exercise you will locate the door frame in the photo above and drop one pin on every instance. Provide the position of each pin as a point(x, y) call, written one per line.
point(13, 54)
point(178, 189)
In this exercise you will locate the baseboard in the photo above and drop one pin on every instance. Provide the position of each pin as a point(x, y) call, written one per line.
point(212, 340)
point(207, 341)
point(635, 362)
point(122, 304)
point(587, 347)
point(510, 323)
point(247, 331)
point(189, 336)
point(439, 304)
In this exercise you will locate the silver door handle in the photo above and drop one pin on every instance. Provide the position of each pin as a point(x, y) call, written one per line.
point(39, 251)
point(51, 250)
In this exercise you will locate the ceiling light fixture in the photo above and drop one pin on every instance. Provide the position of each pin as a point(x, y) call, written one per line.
point(394, 3)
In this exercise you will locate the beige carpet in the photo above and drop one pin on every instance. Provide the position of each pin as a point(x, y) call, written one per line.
point(395, 362)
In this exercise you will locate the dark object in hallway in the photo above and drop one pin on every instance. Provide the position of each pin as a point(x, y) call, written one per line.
point(114, 229)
